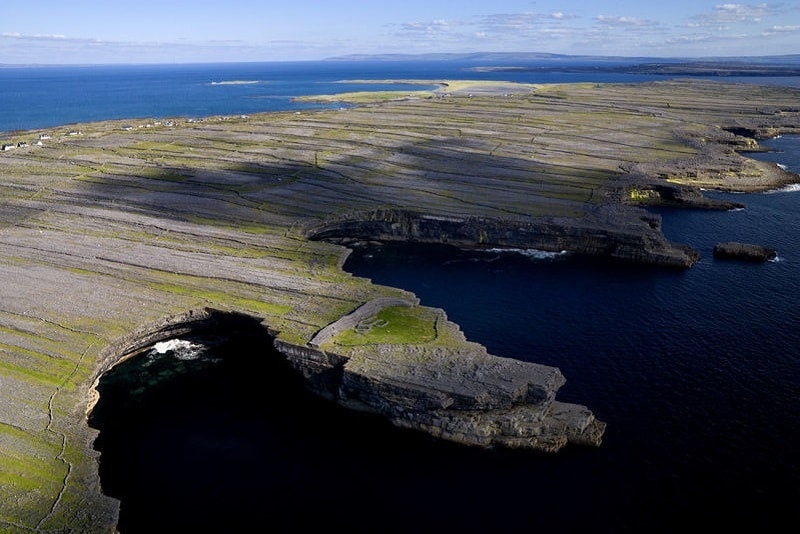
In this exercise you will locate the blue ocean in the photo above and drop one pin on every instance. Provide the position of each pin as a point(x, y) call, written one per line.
point(696, 372)
point(47, 96)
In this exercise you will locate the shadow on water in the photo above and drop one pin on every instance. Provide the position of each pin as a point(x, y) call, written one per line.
point(231, 441)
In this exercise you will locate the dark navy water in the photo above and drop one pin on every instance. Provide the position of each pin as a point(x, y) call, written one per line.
point(697, 372)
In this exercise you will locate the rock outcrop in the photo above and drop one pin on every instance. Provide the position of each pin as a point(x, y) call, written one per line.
point(458, 393)
point(640, 190)
point(634, 237)
point(744, 251)
point(463, 395)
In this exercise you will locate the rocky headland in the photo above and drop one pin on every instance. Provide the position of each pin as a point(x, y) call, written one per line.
point(117, 235)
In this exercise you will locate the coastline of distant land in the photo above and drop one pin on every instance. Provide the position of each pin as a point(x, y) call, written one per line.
point(700, 68)
point(783, 65)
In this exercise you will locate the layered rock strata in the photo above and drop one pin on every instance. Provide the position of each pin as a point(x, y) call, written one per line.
point(465, 395)
point(622, 237)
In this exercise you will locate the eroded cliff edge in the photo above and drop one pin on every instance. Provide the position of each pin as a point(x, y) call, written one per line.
point(444, 385)
point(104, 229)
point(633, 236)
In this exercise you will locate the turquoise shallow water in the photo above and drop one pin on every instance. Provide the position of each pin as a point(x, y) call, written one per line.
point(697, 373)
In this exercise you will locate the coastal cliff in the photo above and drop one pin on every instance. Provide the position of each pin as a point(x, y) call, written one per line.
point(455, 391)
point(114, 238)
point(638, 239)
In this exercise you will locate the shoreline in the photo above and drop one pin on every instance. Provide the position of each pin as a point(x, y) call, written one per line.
point(130, 227)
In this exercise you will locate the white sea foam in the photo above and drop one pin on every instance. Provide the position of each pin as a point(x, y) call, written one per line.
point(532, 253)
point(181, 349)
point(235, 82)
point(791, 188)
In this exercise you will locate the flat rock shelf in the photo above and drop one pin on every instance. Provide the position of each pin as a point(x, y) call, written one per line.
point(118, 235)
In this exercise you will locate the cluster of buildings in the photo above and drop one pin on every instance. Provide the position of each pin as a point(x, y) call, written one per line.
point(5, 147)
point(23, 144)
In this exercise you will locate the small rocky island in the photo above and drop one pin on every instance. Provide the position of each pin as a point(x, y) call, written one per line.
point(118, 235)
point(744, 251)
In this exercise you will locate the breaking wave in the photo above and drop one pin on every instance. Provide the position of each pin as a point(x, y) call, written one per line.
point(531, 253)
point(178, 348)
point(791, 188)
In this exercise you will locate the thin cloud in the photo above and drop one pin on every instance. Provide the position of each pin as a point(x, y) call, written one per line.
point(39, 37)
point(783, 29)
point(429, 28)
point(60, 49)
point(505, 22)
point(630, 22)
point(736, 13)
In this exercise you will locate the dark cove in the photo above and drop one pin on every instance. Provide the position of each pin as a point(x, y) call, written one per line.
point(217, 434)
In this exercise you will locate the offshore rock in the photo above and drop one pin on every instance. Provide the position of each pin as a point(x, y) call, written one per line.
point(744, 251)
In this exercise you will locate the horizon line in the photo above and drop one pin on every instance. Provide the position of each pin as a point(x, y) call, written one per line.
point(431, 56)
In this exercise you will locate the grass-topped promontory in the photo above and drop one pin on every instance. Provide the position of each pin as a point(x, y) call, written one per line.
point(393, 325)
point(109, 226)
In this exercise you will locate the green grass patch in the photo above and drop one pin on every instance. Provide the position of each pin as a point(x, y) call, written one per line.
point(394, 325)
point(27, 375)
point(366, 97)
point(210, 296)
point(31, 470)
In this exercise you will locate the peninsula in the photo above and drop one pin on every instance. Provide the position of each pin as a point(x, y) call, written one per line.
point(117, 235)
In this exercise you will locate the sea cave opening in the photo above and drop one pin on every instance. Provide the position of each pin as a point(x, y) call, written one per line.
point(212, 430)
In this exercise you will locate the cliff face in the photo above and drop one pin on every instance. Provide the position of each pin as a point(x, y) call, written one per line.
point(465, 395)
point(634, 236)
point(462, 394)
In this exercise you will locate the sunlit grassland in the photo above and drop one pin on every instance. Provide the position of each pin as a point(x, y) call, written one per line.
point(393, 325)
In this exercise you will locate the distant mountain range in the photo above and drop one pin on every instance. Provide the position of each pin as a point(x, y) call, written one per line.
point(793, 59)
point(782, 65)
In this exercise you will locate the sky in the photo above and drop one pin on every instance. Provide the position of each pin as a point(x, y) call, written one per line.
point(190, 31)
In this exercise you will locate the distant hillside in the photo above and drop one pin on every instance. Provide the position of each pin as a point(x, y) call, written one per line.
point(783, 65)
